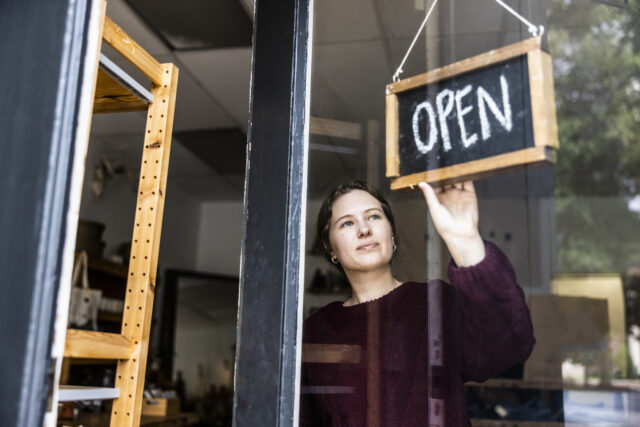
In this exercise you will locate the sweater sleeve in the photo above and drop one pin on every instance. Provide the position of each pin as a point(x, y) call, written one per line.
point(309, 416)
point(494, 326)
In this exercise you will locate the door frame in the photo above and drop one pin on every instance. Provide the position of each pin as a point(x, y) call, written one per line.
point(267, 374)
point(41, 79)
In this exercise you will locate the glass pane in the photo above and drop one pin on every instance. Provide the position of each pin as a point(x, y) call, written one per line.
point(410, 321)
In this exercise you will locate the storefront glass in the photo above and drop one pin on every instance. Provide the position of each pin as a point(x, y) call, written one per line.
point(569, 228)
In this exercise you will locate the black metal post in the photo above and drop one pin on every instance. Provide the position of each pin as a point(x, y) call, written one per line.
point(266, 363)
point(42, 53)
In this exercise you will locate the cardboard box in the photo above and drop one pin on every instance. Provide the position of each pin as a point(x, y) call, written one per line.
point(563, 325)
point(158, 406)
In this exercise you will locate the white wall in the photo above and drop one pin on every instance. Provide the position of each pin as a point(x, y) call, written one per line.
point(206, 345)
point(220, 237)
point(180, 231)
point(116, 209)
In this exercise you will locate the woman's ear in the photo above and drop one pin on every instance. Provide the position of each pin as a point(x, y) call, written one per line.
point(327, 248)
point(334, 258)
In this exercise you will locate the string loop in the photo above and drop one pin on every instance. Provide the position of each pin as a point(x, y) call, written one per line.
point(534, 30)
point(396, 75)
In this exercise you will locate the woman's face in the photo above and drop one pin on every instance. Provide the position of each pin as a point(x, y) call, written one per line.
point(359, 233)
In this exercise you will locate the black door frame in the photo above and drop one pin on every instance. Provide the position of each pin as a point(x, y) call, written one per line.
point(271, 285)
point(40, 77)
point(42, 53)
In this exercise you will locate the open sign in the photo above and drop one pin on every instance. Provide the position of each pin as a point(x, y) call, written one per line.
point(483, 116)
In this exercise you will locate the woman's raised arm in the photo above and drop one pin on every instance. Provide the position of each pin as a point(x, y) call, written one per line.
point(454, 211)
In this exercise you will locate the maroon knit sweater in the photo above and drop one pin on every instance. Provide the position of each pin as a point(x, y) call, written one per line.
point(367, 364)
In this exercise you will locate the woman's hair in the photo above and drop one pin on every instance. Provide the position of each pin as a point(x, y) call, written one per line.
point(324, 215)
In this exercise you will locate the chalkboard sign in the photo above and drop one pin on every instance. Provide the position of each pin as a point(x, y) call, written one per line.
point(485, 115)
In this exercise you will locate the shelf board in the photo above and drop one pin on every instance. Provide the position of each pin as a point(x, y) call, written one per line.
point(107, 316)
point(108, 267)
point(117, 91)
point(91, 362)
point(71, 393)
point(97, 345)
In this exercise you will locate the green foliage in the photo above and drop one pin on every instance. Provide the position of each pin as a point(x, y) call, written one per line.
point(596, 59)
point(596, 235)
point(597, 84)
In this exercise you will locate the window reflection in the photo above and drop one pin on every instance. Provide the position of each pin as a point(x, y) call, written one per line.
point(398, 353)
point(569, 231)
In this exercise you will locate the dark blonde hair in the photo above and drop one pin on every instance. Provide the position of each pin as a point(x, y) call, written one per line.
point(324, 215)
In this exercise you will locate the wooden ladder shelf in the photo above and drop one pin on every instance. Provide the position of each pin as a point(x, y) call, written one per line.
point(117, 92)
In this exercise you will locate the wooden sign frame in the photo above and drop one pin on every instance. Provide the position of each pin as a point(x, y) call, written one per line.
point(543, 112)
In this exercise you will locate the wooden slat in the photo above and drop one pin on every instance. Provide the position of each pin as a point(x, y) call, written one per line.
point(108, 267)
point(331, 353)
point(132, 51)
point(393, 155)
point(145, 247)
point(472, 63)
point(543, 106)
point(478, 168)
point(335, 128)
point(97, 345)
point(112, 97)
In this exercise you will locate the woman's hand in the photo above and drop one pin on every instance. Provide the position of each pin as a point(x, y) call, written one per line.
point(454, 211)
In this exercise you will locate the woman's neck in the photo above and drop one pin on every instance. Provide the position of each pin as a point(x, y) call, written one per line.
point(370, 285)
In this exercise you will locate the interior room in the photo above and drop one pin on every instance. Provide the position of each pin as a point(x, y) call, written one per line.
point(535, 215)
point(191, 354)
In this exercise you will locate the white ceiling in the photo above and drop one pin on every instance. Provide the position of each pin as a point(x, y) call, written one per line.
point(213, 93)
point(357, 46)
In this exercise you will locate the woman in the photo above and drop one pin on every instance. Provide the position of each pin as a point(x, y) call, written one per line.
point(388, 356)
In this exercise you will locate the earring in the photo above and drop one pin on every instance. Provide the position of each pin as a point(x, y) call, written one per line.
point(395, 247)
point(334, 259)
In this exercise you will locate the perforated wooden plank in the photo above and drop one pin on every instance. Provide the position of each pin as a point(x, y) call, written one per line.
point(141, 280)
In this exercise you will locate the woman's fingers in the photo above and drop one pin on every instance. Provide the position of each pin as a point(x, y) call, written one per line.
point(439, 213)
point(468, 186)
point(429, 195)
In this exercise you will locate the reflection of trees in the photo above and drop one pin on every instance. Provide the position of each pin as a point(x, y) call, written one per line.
point(596, 58)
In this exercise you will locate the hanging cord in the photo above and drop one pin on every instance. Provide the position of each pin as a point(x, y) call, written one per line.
point(396, 75)
point(534, 30)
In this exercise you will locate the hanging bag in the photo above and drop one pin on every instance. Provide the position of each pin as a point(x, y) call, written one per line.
point(84, 304)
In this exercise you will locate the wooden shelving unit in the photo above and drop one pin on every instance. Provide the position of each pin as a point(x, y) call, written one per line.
point(115, 91)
